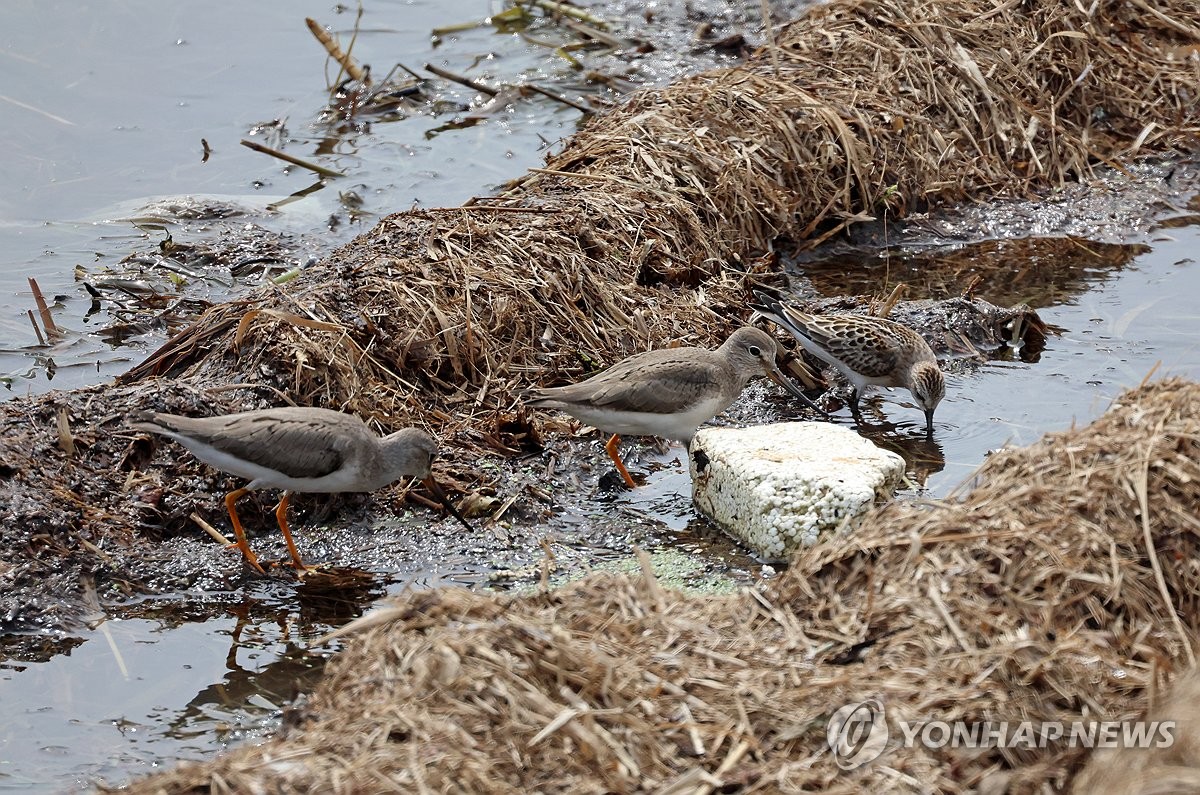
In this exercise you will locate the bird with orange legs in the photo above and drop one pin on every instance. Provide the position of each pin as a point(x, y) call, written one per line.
point(668, 392)
point(299, 450)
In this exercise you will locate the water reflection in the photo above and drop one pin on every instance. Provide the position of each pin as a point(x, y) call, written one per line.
point(1039, 271)
point(118, 703)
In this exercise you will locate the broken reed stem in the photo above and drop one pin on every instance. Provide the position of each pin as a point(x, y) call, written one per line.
point(453, 77)
point(890, 303)
point(43, 309)
point(349, 59)
point(213, 532)
point(569, 11)
point(36, 330)
point(772, 45)
point(334, 49)
point(266, 150)
point(66, 441)
point(594, 33)
point(558, 98)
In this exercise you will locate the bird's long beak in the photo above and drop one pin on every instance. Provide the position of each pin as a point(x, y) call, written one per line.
point(929, 422)
point(778, 377)
point(432, 485)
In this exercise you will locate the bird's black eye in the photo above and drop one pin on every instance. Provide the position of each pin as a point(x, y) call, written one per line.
point(755, 351)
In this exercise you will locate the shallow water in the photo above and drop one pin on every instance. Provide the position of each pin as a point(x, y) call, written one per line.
point(105, 106)
point(136, 688)
point(120, 97)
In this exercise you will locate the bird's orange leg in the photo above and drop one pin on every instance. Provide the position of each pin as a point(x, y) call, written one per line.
point(611, 449)
point(230, 499)
point(281, 516)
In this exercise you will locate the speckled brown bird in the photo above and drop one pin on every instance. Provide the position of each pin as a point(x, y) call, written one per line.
point(869, 351)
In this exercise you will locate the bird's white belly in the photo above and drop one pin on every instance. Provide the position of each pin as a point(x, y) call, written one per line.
point(679, 427)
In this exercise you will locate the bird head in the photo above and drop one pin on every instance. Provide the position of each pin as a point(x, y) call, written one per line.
point(410, 453)
point(752, 353)
point(928, 387)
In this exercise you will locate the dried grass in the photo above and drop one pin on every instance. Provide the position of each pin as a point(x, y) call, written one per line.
point(634, 235)
point(1174, 770)
point(1064, 586)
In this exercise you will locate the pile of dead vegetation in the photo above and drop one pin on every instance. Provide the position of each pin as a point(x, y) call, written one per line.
point(1064, 586)
point(638, 233)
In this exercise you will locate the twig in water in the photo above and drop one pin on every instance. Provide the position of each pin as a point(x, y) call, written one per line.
point(461, 80)
point(597, 34)
point(266, 150)
point(335, 51)
point(569, 11)
point(43, 310)
point(36, 330)
point(558, 98)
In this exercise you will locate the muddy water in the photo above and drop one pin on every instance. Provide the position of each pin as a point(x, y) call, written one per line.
point(104, 106)
point(1112, 329)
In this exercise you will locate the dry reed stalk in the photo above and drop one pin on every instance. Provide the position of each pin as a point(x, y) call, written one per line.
point(463, 80)
point(343, 59)
point(43, 310)
point(36, 329)
point(296, 161)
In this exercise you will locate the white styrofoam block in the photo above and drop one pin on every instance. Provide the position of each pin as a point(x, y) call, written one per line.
point(777, 487)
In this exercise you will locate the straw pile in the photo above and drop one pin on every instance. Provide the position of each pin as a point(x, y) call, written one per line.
point(1163, 771)
point(1064, 586)
point(636, 234)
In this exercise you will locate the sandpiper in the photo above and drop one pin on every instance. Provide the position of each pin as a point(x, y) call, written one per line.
point(668, 392)
point(867, 350)
point(299, 449)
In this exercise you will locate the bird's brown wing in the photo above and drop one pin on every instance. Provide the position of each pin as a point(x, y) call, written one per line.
point(861, 342)
point(295, 447)
point(656, 382)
